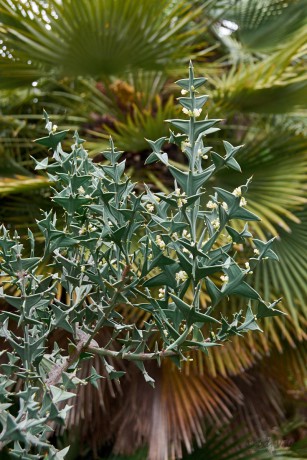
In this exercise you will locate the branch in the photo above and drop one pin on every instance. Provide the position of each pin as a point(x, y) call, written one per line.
point(56, 372)
point(132, 356)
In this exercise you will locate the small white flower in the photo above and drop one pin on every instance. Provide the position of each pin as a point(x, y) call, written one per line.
point(181, 202)
point(185, 144)
point(81, 190)
point(184, 92)
point(161, 293)
point(150, 207)
point(211, 205)
point(54, 128)
point(205, 157)
point(224, 278)
point(165, 332)
point(181, 276)
point(175, 235)
point(185, 250)
point(256, 252)
point(216, 224)
point(247, 266)
point(177, 191)
point(192, 113)
point(88, 196)
point(237, 191)
point(160, 242)
point(110, 223)
point(197, 112)
point(225, 206)
point(82, 268)
point(243, 201)
point(185, 234)
point(193, 243)
point(82, 230)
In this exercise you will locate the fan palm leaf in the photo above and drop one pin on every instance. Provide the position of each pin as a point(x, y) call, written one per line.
point(101, 37)
point(275, 84)
point(265, 24)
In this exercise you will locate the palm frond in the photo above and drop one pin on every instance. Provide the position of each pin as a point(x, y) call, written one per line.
point(265, 24)
point(275, 84)
point(100, 37)
point(143, 124)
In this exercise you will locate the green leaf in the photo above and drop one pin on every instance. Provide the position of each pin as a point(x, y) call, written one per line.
point(265, 310)
point(245, 290)
point(214, 293)
point(112, 373)
point(202, 271)
point(190, 314)
point(265, 249)
point(147, 377)
point(250, 323)
point(165, 278)
point(191, 104)
point(94, 377)
point(203, 126)
point(52, 140)
point(59, 395)
point(196, 82)
point(239, 237)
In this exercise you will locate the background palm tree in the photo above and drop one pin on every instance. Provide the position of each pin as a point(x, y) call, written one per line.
point(106, 69)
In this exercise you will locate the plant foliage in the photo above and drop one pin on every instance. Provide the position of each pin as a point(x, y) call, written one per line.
point(115, 248)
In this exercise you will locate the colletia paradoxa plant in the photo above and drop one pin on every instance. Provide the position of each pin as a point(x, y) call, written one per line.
point(118, 249)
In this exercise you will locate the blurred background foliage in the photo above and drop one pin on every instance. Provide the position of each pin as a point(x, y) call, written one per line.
point(107, 67)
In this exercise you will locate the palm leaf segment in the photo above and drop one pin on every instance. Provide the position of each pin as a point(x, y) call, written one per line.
point(100, 37)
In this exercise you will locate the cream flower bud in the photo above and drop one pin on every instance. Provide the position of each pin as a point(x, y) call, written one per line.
point(243, 201)
point(150, 207)
point(237, 191)
point(181, 202)
point(211, 205)
point(160, 242)
point(196, 112)
point(181, 276)
point(216, 224)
